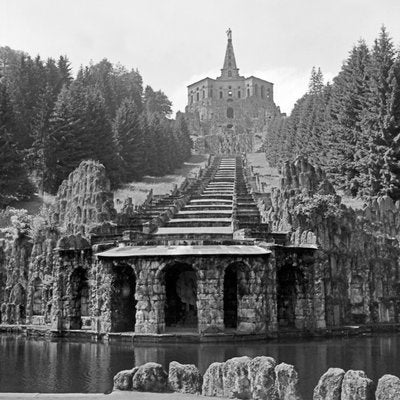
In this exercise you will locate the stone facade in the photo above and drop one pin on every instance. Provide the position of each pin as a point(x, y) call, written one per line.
point(226, 112)
point(316, 265)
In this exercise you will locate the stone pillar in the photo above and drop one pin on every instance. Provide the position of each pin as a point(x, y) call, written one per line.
point(210, 295)
point(270, 294)
point(150, 296)
point(320, 264)
point(57, 310)
point(252, 307)
point(102, 306)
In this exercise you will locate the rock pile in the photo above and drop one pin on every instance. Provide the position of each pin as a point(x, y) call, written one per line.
point(241, 378)
point(259, 378)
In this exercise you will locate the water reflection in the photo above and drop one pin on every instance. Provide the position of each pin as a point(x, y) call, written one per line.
point(30, 365)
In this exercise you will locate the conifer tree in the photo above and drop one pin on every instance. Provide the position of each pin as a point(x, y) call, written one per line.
point(129, 139)
point(14, 183)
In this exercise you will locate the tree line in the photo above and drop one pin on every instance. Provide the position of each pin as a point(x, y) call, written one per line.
point(350, 127)
point(50, 121)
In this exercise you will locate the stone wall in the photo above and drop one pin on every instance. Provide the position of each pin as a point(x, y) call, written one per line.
point(83, 199)
point(256, 312)
point(358, 252)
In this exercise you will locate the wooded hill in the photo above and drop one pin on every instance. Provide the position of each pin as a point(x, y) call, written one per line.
point(350, 127)
point(51, 121)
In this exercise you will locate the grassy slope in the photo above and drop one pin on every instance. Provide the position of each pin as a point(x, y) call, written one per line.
point(138, 191)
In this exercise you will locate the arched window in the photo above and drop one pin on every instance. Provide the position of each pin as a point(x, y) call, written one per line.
point(262, 92)
point(256, 89)
point(204, 93)
point(229, 112)
point(248, 92)
point(191, 99)
point(211, 93)
point(230, 73)
point(239, 94)
point(221, 95)
point(268, 92)
point(197, 96)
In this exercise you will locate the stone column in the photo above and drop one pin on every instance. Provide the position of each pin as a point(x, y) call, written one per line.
point(150, 296)
point(320, 264)
point(210, 295)
point(102, 300)
point(270, 294)
point(57, 309)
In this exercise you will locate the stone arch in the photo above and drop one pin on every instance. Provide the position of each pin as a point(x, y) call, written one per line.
point(18, 295)
point(290, 287)
point(236, 287)
point(357, 299)
point(123, 302)
point(179, 280)
point(18, 299)
point(79, 297)
point(37, 297)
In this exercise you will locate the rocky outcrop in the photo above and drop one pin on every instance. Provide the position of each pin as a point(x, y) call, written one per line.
point(83, 199)
point(388, 388)
point(184, 378)
point(150, 377)
point(258, 379)
point(287, 382)
point(262, 378)
point(235, 378)
point(303, 176)
point(213, 380)
point(123, 379)
point(360, 245)
point(329, 385)
point(356, 386)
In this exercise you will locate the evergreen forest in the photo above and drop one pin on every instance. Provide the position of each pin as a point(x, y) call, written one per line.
point(50, 121)
point(350, 127)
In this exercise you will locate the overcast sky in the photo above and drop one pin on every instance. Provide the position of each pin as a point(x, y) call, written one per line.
point(176, 42)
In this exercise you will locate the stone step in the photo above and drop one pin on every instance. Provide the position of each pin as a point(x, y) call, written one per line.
point(199, 222)
point(209, 231)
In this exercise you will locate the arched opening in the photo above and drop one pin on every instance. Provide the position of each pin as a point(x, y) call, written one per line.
point(37, 297)
point(262, 92)
point(235, 287)
point(289, 279)
point(229, 112)
point(180, 296)
point(229, 73)
point(79, 304)
point(123, 303)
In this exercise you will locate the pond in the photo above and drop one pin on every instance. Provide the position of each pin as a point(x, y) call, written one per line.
point(35, 365)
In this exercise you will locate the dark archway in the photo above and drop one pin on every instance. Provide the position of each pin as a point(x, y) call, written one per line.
point(79, 303)
point(287, 279)
point(235, 287)
point(123, 303)
point(229, 112)
point(180, 282)
point(37, 297)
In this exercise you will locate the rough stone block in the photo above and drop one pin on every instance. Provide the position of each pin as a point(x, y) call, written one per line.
point(213, 381)
point(150, 377)
point(262, 378)
point(329, 386)
point(236, 382)
point(388, 388)
point(287, 382)
point(123, 379)
point(356, 386)
point(184, 378)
